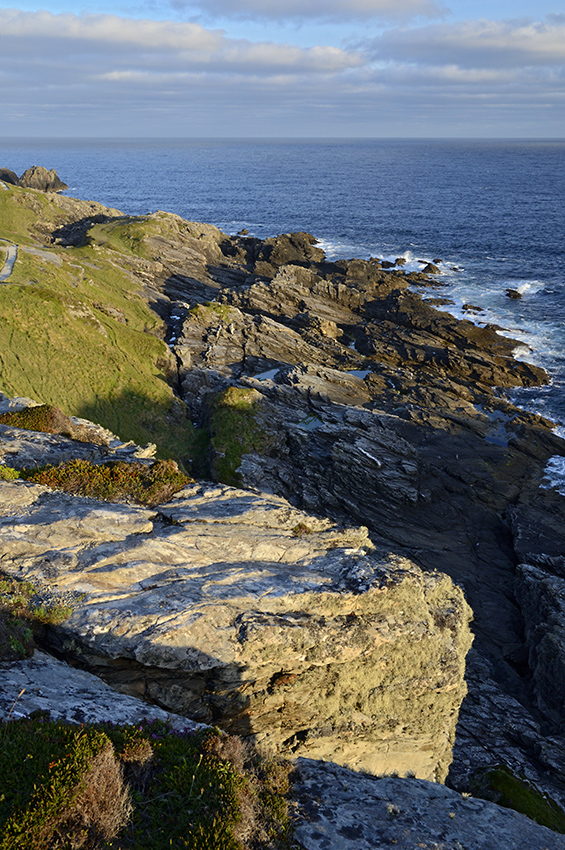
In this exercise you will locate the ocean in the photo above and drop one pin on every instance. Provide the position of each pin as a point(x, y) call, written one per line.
point(492, 211)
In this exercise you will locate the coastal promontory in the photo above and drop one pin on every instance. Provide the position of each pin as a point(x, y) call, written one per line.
point(360, 482)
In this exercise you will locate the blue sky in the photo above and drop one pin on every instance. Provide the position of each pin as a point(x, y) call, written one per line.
point(283, 68)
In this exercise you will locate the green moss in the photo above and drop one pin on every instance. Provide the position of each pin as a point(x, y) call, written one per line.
point(301, 529)
point(8, 474)
point(501, 785)
point(234, 432)
point(116, 481)
point(125, 235)
point(204, 310)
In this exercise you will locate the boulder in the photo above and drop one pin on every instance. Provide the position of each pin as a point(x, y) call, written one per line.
point(8, 176)
point(37, 177)
point(235, 609)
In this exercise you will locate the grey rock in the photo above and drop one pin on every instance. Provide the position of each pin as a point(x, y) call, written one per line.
point(342, 810)
point(8, 176)
point(542, 600)
point(42, 683)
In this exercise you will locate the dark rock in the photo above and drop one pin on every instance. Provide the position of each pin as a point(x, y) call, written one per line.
point(8, 176)
point(342, 810)
point(430, 268)
point(513, 293)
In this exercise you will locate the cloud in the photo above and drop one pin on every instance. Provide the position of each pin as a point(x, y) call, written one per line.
point(476, 44)
point(80, 44)
point(107, 75)
point(315, 9)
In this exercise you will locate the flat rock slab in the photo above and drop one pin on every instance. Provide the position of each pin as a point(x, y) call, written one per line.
point(72, 695)
point(342, 810)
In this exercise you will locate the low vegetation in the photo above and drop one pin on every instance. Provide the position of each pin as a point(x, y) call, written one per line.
point(116, 481)
point(137, 788)
point(234, 432)
point(76, 334)
point(42, 417)
point(501, 785)
point(22, 614)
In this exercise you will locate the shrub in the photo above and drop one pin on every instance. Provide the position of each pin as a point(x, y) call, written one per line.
point(65, 787)
point(42, 417)
point(62, 787)
point(20, 613)
point(115, 481)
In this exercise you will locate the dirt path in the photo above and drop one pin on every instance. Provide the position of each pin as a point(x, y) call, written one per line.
point(6, 271)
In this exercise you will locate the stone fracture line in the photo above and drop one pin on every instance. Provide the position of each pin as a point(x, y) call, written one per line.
point(9, 263)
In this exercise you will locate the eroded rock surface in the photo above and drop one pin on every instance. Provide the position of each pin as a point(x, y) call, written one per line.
point(360, 401)
point(236, 609)
point(367, 404)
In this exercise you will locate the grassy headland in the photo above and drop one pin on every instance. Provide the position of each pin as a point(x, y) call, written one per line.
point(76, 333)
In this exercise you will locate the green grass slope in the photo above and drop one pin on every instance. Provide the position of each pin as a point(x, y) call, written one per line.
point(75, 332)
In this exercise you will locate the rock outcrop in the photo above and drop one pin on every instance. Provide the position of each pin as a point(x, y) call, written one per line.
point(38, 177)
point(8, 176)
point(341, 810)
point(44, 684)
point(235, 609)
point(338, 386)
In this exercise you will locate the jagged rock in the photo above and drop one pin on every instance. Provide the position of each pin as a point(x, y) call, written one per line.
point(22, 449)
point(542, 601)
point(235, 609)
point(430, 268)
point(37, 177)
point(517, 739)
point(73, 695)
point(342, 810)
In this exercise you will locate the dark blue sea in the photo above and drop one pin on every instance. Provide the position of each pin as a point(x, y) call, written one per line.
point(494, 210)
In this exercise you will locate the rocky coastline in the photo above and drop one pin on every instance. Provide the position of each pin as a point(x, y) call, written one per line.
point(364, 454)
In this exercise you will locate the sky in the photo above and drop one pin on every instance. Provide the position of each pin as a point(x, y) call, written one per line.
point(283, 68)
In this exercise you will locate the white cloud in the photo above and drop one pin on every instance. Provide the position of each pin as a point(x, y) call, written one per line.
point(78, 43)
point(102, 74)
point(476, 44)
